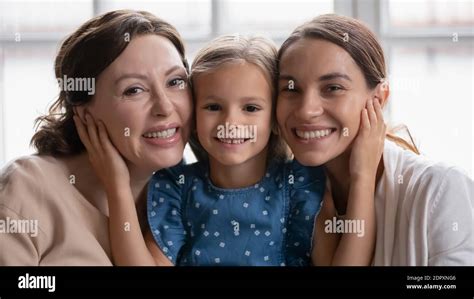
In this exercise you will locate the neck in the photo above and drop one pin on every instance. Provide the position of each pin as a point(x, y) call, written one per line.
point(337, 170)
point(242, 175)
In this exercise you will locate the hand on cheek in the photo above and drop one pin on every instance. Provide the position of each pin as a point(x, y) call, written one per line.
point(368, 144)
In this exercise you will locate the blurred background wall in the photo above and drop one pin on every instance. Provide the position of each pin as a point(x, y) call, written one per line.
point(429, 47)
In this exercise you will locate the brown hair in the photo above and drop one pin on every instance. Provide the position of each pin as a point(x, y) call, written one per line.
point(357, 40)
point(233, 49)
point(85, 54)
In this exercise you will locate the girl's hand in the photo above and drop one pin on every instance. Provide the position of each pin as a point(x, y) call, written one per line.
point(106, 161)
point(368, 146)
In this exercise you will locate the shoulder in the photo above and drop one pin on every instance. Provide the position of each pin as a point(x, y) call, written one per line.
point(24, 183)
point(305, 175)
point(425, 185)
point(180, 174)
point(418, 175)
point(175, 181)
point(27, 172)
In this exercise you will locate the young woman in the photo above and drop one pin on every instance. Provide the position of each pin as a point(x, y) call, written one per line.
point(138, 64)
point(243, 203)
point(328, 67)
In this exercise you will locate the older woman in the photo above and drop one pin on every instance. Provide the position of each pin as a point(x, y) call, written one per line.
point(137, 63)
point(329, 67)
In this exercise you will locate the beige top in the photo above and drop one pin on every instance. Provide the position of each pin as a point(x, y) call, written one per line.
point(44, 220)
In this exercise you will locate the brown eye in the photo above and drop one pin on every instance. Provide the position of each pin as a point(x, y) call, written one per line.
point(133, 91)
point(251, 108)
point(212, 107)
point(333, 88)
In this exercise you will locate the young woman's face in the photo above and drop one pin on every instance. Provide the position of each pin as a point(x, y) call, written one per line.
point(145, 103)
point(321, 94)
point(236, 94)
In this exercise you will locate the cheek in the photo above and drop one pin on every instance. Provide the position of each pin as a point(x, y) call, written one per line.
point(264, 126)
point(280, 108)
point(185, 112)
point(349, 117)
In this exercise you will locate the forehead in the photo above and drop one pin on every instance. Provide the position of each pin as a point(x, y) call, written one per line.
point(318, 57)
point(147, 51)
point(232, 78)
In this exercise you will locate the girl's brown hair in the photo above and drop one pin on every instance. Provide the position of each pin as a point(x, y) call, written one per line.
point(357, 40)
point(234, 49)
point(85, 54)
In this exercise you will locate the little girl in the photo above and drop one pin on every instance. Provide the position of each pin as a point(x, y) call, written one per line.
point(244, 202)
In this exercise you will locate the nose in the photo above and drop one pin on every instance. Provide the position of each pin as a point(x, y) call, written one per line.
point(311, 106)
point(162, 104)
point(231, 115)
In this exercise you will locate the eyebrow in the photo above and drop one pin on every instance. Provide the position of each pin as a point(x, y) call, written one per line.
point(144, 77)
point(130, 75)
point(334, 75)
point(326, 77)
point(244, 98)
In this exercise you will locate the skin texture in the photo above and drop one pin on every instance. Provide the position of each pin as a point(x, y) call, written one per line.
point(328, 91)
point(145, 87)
point(237, 94)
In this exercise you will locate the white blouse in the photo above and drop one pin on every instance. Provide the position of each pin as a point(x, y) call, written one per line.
point(424, 211)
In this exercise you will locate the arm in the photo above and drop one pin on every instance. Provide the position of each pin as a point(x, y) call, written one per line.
point(352, 248)
point(17, 249)
point(450, 218)
point(127, 241)
point(21, 195)
point(324, 244)
point(129, 247)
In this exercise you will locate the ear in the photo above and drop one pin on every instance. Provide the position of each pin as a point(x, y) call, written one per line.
point(381, 92)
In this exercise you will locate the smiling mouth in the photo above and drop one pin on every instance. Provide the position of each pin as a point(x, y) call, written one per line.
point(231, 140)
point(164, 134)
point(313, 134)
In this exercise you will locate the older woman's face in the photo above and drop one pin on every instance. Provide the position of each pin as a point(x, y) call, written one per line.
point(321, 94)
point(145, 103)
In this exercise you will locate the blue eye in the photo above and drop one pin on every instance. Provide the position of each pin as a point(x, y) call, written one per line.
point(133, 91)
point(212, 107)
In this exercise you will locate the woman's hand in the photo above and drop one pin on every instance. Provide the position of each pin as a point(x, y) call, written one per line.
point(106, 161)
point(368, 146)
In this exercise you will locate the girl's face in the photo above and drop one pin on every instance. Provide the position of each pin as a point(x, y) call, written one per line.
point(145, 103)
point(321, 94)
point(234, 98)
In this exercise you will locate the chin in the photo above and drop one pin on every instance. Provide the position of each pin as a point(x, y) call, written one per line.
point(165, 158)
point(311, 158)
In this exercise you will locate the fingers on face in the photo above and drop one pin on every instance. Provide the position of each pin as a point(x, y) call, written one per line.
point(104, 136)
point(378, 110)
point(81, 130)
point(92, 131)
point(365, 119)
point(371, 112)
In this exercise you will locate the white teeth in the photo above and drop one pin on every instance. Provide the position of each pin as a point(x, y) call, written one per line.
point(232, 141)
point(160, 134)
point(313, 134)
